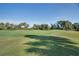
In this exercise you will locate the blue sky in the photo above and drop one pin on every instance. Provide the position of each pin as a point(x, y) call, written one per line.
point(38, 13)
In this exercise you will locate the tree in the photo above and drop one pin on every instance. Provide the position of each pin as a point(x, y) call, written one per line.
point(2, 26)
point(52, 26)
point(41, 27)
point(23, 25)
point(68, 25)
point(44, 27)
point(35, 26)
point(76, 26)
point(7, 25)
point(65, 25)
point(11, 27)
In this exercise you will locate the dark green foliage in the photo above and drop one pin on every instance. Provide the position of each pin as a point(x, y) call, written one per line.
point(65, 25)
point(36, 27)
point(60, 25)
point(41, 27)
point(9, 26)
point(44, 27)
point(23, 25)
point(52, 26)
point(76, 26)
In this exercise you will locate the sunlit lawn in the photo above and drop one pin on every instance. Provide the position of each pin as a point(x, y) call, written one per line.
point(39, 42)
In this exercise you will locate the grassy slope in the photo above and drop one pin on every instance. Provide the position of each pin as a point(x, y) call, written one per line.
point(53, 42)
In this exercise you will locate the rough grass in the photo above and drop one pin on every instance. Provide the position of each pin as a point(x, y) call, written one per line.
point(37, 42)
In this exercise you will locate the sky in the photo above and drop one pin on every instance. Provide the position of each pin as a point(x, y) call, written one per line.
point(38, 13)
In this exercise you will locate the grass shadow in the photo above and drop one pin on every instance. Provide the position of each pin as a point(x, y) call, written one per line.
point(55, 46)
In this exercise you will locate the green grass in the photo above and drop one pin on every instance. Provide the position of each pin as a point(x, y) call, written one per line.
point(37, 42)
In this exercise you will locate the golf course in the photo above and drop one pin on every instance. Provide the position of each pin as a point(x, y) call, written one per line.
point(39, 43)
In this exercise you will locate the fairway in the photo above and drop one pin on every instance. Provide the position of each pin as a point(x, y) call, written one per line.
point(39, 43)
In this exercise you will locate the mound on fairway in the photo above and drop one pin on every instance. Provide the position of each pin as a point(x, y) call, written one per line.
point(37, 42)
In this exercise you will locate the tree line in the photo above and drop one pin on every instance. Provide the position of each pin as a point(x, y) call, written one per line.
point(60, 25)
